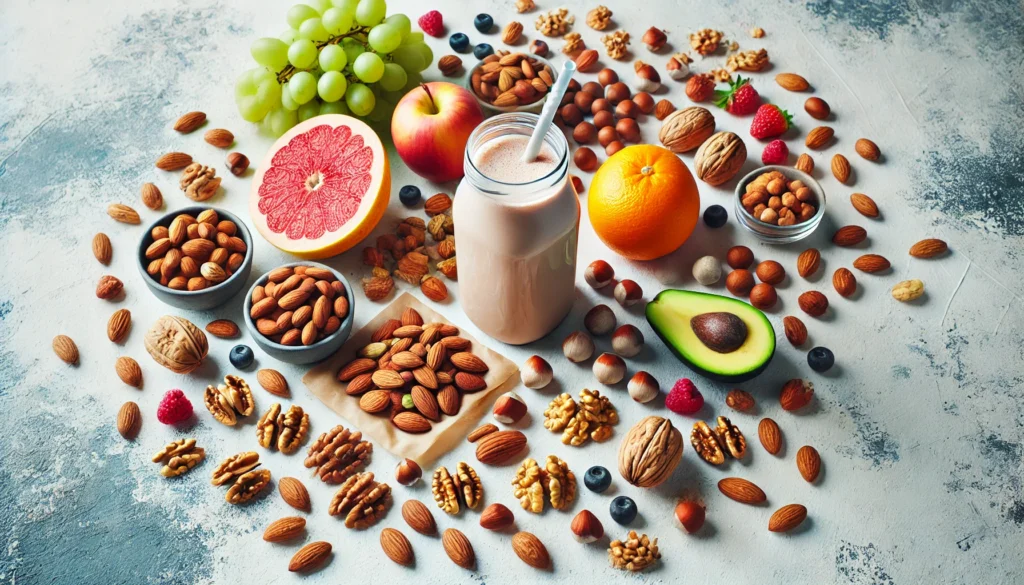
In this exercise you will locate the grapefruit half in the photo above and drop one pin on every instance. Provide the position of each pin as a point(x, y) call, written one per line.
point(322, 188)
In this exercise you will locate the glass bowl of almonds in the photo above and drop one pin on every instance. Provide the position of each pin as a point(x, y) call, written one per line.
point(196, 258)
point(301, 312)
point(779, 204)
point(511, 82)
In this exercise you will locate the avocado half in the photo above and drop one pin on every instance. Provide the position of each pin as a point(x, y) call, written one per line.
point(670, 315)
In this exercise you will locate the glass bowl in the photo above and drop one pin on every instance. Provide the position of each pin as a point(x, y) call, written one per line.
point(779, 234)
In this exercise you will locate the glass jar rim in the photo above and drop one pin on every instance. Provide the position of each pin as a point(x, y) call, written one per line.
point(514, 123)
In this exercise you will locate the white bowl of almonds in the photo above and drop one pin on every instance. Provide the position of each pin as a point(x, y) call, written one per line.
point(511, 82)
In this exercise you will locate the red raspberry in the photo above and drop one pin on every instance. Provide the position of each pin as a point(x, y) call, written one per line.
point(684, 398)
point(174, 408)
point(432, 23)
point(775, 153)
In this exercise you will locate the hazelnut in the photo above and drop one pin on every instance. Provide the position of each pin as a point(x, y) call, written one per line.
point(739, 257)
point(763, 296)
point(628, 293)
point(600, 320)
point(647, 77)
point(817, 108)
point(628, 129)
point(584, 133)
point(578, 347)
point(706, 270)
point(536, 373)
point(571, 115)
point(539, 48)
point(655, 39)
point(593, 88)
point(609, 369)
point(771, 272)
point(408, 472)
point(574, 85)
point(601, 105)
point(585, 159)
point(627, 341)
point(643, 388)
point(237, 163)
point(678, 67)
point(583, 101)
point(603, 118)
point(690, 516)
point(525, 91)
point(663, 108)
point(567, 98)
point(509, 408)
point(607, 77)
point(644, 101)
point(586, 527)
point(613, 147)
point(627, 109)
point(607, 135)
point(739, 282)
point(599, 274)
point(577, 184)
point(617, 92)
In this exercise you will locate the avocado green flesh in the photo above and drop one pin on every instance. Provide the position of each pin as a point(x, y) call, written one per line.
point(669, 315)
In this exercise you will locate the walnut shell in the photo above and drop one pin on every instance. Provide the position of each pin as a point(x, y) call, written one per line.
point(720, 158)
point(176, 344)
point(686, 129)
point(650, 452)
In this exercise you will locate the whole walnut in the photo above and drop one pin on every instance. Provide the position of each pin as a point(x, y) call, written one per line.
point(719, 158)
point(650, 452)
point(176, 344)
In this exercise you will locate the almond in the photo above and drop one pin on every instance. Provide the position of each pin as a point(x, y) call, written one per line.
point(480, 432)
point(864, 205)
point(496, 517)
point(129, 420)
point(663, 108)
point(787, 518)
point(426, 403)
point(819, 137)
point(500, 448)
point(129, 371)
point(844, 282)
point(223, 328)
point(796, 331)
point(586, 60)
point(813, 303)
point(406, 360)
point(101, 248)
point(65, 349)
point(273, 381)
point(796, 394)
point(419, 518)
point(840, 168)
point(849, 235)
point(123, 214)
point(354, 368)
point(817, 108)
point(867, 149)
point(468, 362)
point(386, 330)
point(928, 248)
point(808, 261)
point(512, 33)
point(173, 161)
point(437, 204)
point(407, 331)
point(396, 546)
point(469, 382)
point(284, 529)
point(804, 163)
point(770, 435)
point(151, 196)
point(433, 288)
point(449, 65)
point(310, 556)
point(219, 137)
point(411, 422)
point(808, 462)
point(294, 493)
point(449, 400)
point(436, 356)
point(118, 325)
point(375, 401)
point(388, 379)
point(791, 82)
point(871, 263)
point(741, 490)
point(531, 550)
point(458, 548)
point(359, 384)
point(190, 122)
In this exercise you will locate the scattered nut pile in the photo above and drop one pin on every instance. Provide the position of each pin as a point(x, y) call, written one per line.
point(408, 252)
point(299, 305)
point(194, 253)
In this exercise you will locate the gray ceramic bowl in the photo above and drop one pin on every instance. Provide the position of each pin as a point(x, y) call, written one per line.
point(779, 234)
point(489, 107)
point(207, 298)
point(302, 354)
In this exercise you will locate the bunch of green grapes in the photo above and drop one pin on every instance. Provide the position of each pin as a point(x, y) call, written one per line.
point(337, 57)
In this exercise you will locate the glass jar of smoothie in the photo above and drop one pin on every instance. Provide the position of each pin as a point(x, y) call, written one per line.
point(516, 225)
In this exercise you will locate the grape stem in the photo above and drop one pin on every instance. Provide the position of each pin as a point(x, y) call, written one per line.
point(431, 97)
point(359, 34)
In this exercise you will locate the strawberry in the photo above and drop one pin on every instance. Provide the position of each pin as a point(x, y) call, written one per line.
point(769, 122)
point(740, 100)
point(775, 153)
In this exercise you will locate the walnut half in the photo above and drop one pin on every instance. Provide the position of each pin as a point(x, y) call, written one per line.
point(635, 553)
point(528, 487)
point(247, 486)
point(361, 500)
point(442, 486)
point(230, 400)
point(179, 457)
point(705, 442)
point(561, 483)
point(337, 454)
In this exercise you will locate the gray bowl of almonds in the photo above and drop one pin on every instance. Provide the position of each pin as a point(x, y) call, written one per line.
point(511, 82)
point(196, 258)
point(300, 313)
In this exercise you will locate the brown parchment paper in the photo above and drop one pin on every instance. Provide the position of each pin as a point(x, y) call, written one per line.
point(444, 435)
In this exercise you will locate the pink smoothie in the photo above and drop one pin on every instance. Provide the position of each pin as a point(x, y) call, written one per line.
point(517, 247)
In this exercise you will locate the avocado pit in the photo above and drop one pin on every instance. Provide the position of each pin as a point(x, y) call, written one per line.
point(720, 331)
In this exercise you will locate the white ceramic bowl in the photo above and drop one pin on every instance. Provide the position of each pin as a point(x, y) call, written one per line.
point(534, 107)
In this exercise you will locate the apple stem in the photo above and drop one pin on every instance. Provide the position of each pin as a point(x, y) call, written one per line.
point(432, 104)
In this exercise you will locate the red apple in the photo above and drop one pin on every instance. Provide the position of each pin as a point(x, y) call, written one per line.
point(431, 127)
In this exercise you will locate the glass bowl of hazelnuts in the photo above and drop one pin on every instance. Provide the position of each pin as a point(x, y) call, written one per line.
point(779, 204)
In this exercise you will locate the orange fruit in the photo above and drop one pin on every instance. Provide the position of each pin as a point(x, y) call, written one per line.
point(643, 202)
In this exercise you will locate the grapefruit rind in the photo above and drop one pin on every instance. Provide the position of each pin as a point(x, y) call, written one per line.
point(301, 200)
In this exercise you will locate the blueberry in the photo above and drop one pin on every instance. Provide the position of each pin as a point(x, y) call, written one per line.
point(820, 359)
point(482, 50)
point(241, 356)
point(409, 195)
point(597, 479)
point(623, 509)
point(483, 22)
point(715, 216)
point(459, 42)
